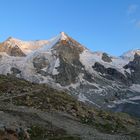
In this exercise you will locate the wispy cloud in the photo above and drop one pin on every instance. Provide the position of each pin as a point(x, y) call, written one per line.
point(138, 23)
point(132, 13)
point(132, 9)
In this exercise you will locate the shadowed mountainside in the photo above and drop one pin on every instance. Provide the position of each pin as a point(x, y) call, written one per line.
point(51, 114)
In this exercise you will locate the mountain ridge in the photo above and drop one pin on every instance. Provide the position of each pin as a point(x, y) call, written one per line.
point(64, 35)
point(93, 77)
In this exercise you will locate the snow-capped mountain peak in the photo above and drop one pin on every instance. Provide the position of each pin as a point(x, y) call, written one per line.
point(63, 62)
point(28, 47)
point(11, 41)
point(63, 36)
point(129, 55)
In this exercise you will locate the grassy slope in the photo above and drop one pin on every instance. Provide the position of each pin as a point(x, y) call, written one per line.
point(45, 98)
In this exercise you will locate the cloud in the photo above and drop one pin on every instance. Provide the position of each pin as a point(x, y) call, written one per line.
point(138, 23)
point(132, 13)
point(132, 9)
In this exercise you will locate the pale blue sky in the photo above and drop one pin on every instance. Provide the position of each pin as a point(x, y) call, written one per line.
point(112, 26)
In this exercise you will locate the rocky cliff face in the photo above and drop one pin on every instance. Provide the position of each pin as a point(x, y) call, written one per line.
point(134, 67)
point(93, 77)
point(67, 51)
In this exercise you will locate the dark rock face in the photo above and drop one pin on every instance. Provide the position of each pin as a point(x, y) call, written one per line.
point(87, 76)
point(67, 73)
point(100, 68)
point(106, 58)
point(134, 67)
point(15, 71)
point(110, 73)
point(68, 52)
point(40, 62)
point(69, 49)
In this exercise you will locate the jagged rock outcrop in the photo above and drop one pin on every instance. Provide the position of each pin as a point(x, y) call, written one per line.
point(68, 52)
point(15, 71)
point(111, 73)
point(106, 58)
point(134, 67)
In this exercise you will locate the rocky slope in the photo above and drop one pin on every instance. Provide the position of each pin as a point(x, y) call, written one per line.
point(38, 112)
point(93, 77)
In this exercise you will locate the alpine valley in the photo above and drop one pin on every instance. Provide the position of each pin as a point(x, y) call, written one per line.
point(61, 90)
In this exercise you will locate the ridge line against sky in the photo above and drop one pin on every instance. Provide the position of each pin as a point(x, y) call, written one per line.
point(100, 25)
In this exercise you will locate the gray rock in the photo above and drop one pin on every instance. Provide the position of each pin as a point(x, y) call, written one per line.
point(40, 62)
point(134, 67)
point(111, 73)
point(106, 58)
point(15, 71)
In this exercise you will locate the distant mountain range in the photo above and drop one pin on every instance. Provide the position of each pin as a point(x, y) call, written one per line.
point(96, 78)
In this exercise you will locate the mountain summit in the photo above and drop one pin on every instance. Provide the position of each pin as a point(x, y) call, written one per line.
point(63, 36)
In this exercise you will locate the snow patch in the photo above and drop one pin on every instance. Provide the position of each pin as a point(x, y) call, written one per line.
point(57, 64)
point(27, 47)
point(135, 87)
point(88, 59)
point(135, 98)
point(53, 41)
point(124, 101)
point(63, 36)
point(83, 98)
point(130, 54)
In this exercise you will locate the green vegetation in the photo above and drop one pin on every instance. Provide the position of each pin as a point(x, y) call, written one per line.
point(45, 98)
